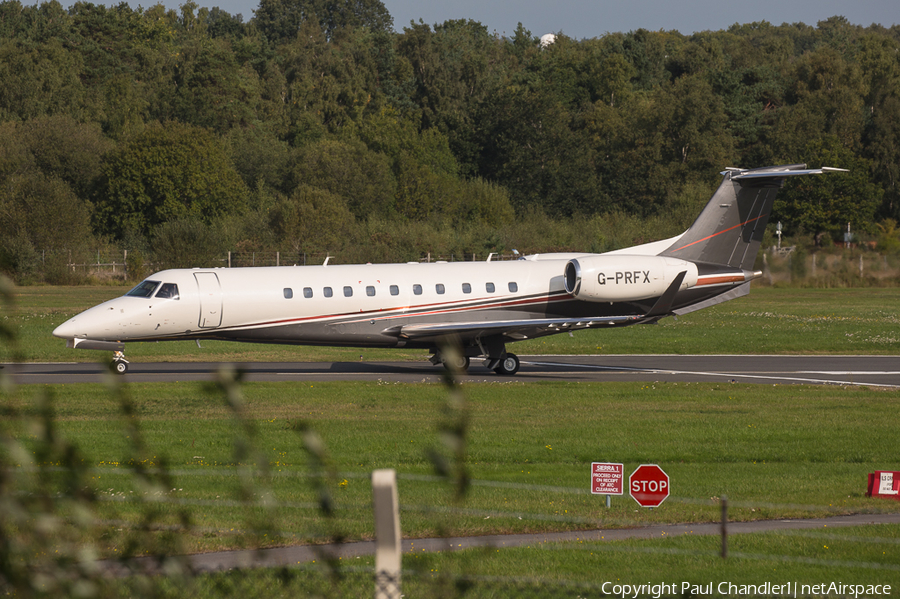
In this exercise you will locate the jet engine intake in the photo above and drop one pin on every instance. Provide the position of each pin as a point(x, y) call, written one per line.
point(624, 278)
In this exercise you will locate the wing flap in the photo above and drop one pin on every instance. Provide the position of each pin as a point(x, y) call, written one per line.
point(510, 328)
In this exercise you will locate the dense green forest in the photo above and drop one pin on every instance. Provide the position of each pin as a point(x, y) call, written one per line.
point(315, 127)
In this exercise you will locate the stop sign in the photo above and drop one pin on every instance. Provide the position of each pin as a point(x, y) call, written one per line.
point(649, 485)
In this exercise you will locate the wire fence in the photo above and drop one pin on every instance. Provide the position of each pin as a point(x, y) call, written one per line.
point(780, 266)
point(114, 263)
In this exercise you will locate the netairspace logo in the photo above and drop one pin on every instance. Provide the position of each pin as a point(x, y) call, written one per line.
point(787, 589)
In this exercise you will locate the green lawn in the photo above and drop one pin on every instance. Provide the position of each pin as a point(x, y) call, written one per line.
point(796, 451)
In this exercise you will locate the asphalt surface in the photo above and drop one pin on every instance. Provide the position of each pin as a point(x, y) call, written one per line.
point(876, 371)
point(299, 554)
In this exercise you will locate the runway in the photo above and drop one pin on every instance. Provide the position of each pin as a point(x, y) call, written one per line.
point(872, 371)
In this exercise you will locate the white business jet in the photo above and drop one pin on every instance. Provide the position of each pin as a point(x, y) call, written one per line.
point(479, 307)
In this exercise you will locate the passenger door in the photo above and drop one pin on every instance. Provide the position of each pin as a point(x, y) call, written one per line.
point(210, 292)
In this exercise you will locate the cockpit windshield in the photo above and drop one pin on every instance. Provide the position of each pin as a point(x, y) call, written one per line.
point(144, 289)
point(168, 291)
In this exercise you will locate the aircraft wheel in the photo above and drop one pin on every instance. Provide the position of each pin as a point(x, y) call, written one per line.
point(509, 365)
point(461, 364)
point(120, 366)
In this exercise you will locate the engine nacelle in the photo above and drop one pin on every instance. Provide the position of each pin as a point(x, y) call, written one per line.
point(625, 278)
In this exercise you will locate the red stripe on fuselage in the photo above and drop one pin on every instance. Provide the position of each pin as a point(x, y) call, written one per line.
point(424, 310)
point(715, 280)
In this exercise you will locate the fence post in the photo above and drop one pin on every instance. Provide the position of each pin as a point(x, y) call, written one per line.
point(724, 527)
point(387, 534)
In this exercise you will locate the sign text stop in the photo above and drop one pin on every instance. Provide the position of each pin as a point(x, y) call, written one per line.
point(649, 485)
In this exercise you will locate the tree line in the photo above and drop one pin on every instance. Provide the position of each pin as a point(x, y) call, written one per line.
point(314, 126)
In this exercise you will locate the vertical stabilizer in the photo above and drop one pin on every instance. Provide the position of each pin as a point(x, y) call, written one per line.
point(731, 227)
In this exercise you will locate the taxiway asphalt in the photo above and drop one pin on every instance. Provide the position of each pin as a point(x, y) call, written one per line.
point(874, 371)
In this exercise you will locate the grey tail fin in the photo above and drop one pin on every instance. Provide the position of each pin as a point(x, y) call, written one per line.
point(731, 226)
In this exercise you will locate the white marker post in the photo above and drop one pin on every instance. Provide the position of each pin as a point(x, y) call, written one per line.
point(387, 534)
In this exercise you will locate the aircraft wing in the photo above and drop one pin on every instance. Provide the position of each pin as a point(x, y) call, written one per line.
point(518, 329)
point(535, 327)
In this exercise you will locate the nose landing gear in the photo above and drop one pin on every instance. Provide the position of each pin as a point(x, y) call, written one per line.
point(119, 364)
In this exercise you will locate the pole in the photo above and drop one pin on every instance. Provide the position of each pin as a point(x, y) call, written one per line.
point(387, 534)
point(724, 527)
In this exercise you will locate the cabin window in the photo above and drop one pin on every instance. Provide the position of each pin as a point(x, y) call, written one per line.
point(489, 287)
point(327, 292)
point(467, 288)
point(168, 291)
point(348, 291)
point(288, 293)
point(513, 287)
point(307, 292)
point(439, 288)
point(417, 289)
point(145, 289)
point(395, 290)
point(370, 291)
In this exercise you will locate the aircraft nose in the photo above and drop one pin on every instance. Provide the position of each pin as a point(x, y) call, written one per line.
point(94, 323)
point(67, 330)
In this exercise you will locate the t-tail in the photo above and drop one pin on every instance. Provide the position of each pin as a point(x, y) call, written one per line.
point(724, 240)
point(731, 227)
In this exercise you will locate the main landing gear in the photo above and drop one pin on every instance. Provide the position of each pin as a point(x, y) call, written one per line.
point(455, 362)
point(119, 364)
point(506, 364)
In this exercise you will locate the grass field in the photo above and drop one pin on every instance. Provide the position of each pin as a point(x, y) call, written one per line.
point(776, 452)
point(181, 471)
point(769, 320)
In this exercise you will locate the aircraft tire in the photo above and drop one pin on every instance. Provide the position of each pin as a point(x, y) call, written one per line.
point(120, 366)
point(509, 365)
point(461, 365)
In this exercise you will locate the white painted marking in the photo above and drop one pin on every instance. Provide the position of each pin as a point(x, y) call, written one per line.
point(722, 374)
point(849, 372)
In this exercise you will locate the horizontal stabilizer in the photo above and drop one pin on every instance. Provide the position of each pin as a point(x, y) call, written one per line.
point(780, 172)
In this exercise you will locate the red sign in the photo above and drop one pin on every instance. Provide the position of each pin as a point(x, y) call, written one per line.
point(607, 479)
point(884, 483)
point(649, 485)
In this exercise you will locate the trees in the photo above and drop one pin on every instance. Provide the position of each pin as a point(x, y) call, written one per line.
point(39, 79)
point(282, 20)
point(157, 115)
point(361, 179)
point(823, 206)
point(312, 219)
point(40, 213)
point(168, 172)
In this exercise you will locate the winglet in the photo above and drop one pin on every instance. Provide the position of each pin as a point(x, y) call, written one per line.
point(663, 305)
